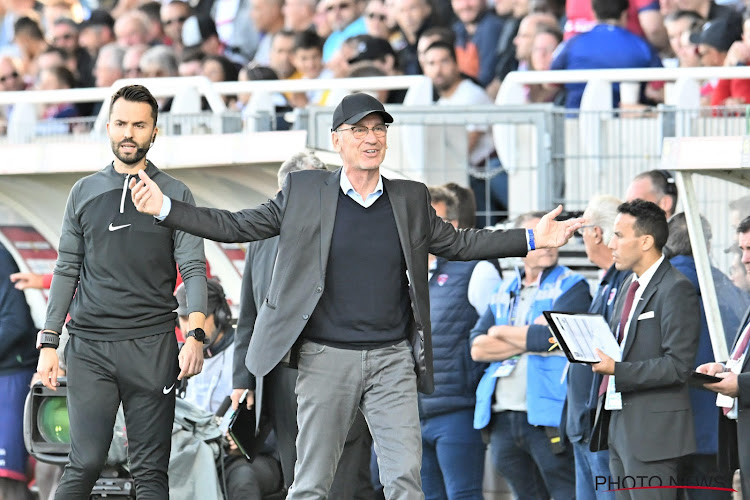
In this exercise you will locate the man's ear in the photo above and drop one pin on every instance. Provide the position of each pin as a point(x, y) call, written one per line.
point(336, 140)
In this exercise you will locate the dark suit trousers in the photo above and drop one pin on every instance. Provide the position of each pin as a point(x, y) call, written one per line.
point(629, 472)
point(352, 479)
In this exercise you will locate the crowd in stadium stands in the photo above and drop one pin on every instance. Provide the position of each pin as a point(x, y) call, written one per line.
point(61, 44)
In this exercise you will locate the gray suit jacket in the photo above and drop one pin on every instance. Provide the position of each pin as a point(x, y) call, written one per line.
point(303, 214)
point(658, 357)
point(734, 436)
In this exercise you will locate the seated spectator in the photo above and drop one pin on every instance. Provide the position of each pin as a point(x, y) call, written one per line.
point(735, 91)
point(430, 36)
point(132, 28)
point(606, 45)
point(208, 390)
point(56, 78)
point(191, 63)
point(339, 65)
point(344, 17)
point(477, 31)
point(543, 48)
point(307, 59)
point(10, 80)
point(298, 15)
point(108, 66)
point(53, 57)
point(159, 62)
point(280, 57)
point(376, 19)
point(96, 32)
point(173, 15)
point(678, 24)
point(155, 31)
point(221, 69)
point(714, 41)
point(199, 35)
point(251, 73)
point(441, 66)
point(524, 40)
point(64, 35)
point(267, 20)
point(131, 61)
point(413, 18)
point(378, 52)
point(511, 13)
point(320, 21)
point(29, 38)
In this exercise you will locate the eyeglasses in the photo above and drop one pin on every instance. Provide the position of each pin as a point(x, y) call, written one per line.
point(379, 17)
point(339, 6)
point(361, 132)
point(580, 229)
point(11, 76)
point(179, 20)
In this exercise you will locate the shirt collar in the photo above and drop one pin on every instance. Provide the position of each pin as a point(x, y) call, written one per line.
point(645, 278)
point(346, 185)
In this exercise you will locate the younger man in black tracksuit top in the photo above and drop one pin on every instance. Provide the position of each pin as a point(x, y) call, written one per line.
point(115, 274)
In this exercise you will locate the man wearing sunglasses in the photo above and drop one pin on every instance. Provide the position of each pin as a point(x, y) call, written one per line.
point(173, 16)
point(349, 295)
point(346, 20)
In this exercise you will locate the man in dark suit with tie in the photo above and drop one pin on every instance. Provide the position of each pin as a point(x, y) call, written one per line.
point(657, 324)
point(734, 428)
point(349, 291)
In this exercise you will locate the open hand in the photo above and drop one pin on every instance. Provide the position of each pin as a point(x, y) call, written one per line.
point(550, 233)
point(146, 195)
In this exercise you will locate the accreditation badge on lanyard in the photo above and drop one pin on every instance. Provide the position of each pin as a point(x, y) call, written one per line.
point(613, 399)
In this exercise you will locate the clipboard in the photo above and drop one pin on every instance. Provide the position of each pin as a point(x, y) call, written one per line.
point(242, 426)
point(578, 334)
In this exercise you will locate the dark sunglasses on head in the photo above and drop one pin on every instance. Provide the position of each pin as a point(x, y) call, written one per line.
point(13, 75)
point(379, 17)
point(340, 6)
point(176, 20)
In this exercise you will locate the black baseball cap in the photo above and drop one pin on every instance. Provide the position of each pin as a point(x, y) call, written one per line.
point(370, 48)
point(719, 33)
point(354, 107)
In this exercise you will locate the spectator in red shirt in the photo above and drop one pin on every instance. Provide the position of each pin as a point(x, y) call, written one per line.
point(714, 42)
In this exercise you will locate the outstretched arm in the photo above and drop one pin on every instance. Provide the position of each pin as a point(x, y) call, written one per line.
point(250, 224)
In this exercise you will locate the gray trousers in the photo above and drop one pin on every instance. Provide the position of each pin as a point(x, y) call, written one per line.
point(630, 472)
point(331, 385)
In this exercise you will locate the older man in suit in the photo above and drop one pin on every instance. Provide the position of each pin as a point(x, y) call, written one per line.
point(349, 292)
point(657, 324)
point(734, 428)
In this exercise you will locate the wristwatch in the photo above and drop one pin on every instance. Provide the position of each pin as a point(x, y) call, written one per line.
point(198, 333)
point(47, 338)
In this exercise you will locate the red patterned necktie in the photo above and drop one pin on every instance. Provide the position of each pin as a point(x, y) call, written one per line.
point(629, 298)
